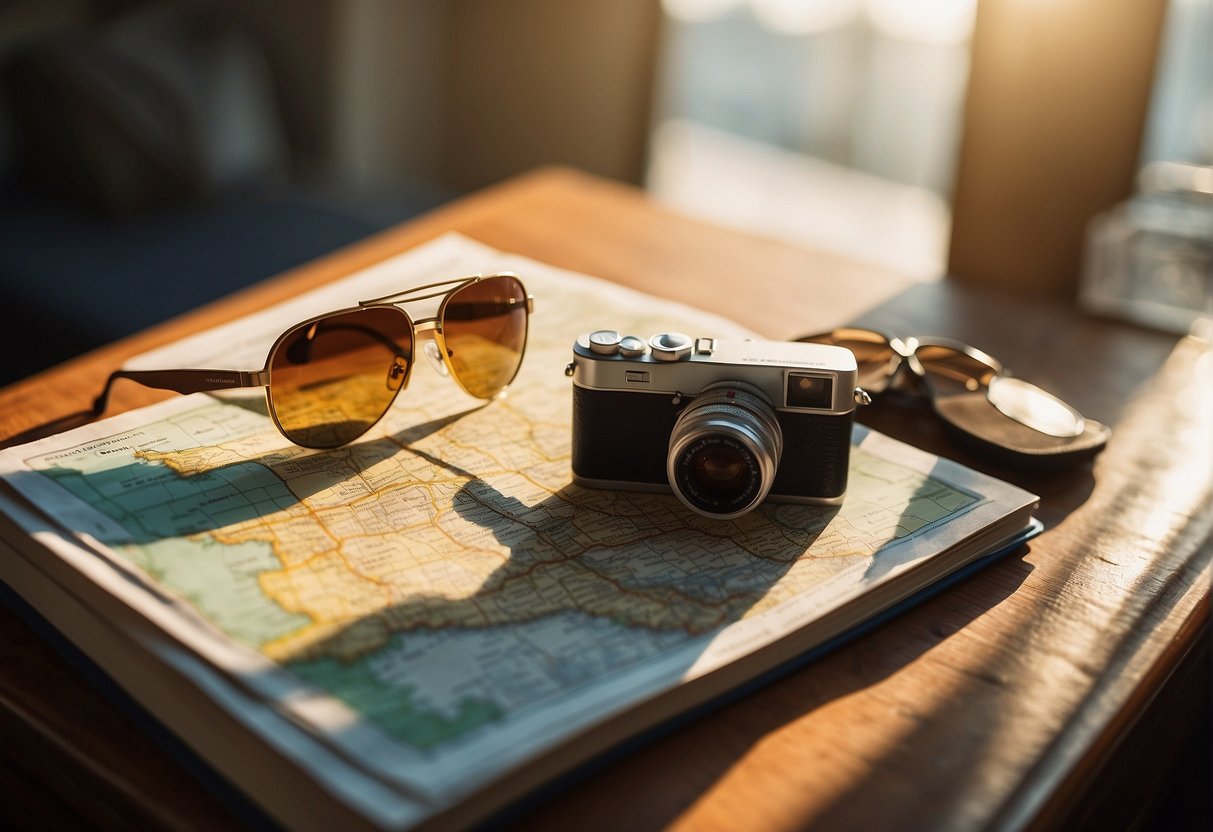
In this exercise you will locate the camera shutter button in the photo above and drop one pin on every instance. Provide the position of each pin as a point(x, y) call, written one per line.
point(670, 346)
point(604, 341)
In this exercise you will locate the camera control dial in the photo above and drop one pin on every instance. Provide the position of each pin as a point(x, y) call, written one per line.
point(605, 341)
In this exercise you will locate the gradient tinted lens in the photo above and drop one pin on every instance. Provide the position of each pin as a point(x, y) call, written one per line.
point(484, 325)
point(952, 370)
point(331, 379)
point(875, 358)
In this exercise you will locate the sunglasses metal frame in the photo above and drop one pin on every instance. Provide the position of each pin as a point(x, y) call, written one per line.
point(905, 351)
point(909, 346)
point(189, 380)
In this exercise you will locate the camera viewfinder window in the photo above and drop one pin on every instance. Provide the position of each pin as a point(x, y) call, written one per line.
point(810, 391)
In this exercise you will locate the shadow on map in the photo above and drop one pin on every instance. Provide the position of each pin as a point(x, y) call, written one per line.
point(628, 576)
point(641, 570)
point(641, 564)
point(635, 560)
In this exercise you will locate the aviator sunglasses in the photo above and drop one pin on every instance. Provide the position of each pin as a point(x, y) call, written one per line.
point(330, 378)
point(974, 394)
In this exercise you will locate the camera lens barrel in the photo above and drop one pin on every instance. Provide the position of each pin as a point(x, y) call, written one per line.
point(724, 452)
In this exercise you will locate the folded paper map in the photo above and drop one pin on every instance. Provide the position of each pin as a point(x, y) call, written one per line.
point(433, 620)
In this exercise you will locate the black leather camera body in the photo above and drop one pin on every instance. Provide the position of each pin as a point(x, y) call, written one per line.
point(723, 423)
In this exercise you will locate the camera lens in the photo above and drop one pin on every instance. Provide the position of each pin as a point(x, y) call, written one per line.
point(724, 451)
point(721, 468)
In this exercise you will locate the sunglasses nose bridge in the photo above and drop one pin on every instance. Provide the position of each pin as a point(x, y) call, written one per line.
point(906, 351)
point(433, 352)
point(433, 346)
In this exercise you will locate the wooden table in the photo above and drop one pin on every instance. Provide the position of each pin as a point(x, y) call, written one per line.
point(1055, 686)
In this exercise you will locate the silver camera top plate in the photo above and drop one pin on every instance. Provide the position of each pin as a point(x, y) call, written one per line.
point(774, 367)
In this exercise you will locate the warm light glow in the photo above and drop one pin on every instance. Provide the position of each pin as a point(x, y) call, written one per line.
point(802, 17)
point(784, 194)
point(924, 21)
point(698, 11)
point(919, 21)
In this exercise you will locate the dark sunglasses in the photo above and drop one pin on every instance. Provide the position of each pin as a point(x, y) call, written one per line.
point(972, 392)
point(330, 378)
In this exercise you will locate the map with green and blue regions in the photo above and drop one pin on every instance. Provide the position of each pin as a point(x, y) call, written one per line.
point(436, 603)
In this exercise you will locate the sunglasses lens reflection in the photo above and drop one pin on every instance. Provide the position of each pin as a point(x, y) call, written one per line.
point(874, 356)
point(951, 370)
point(484, 325)
point(1038, 409)
point(332, 379)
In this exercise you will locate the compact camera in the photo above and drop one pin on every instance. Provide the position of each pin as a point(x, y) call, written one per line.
point(723, 423)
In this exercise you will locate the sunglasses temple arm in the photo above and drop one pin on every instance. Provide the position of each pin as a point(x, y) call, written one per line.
point(181, 381)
